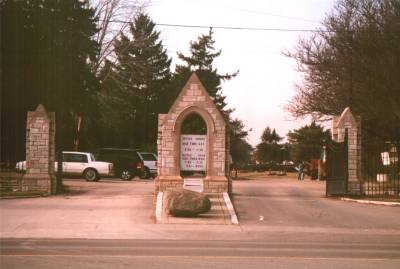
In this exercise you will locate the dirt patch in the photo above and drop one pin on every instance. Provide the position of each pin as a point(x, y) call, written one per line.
point(73, 190)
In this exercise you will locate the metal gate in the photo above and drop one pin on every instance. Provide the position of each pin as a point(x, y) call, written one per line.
point(336, 166)
point(381, 169)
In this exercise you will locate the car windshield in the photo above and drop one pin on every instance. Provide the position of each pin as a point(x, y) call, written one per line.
point(148, 157)
point(92, 157)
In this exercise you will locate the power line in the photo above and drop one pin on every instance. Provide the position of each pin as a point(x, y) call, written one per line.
point(231, 27)
point(237, 28)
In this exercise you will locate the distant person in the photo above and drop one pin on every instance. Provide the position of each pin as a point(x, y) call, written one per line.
point(300, 175)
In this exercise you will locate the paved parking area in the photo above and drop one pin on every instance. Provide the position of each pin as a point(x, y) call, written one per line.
point(102, 209)
point(270, 208)
point(108, 187)
point(286, 204)
point(109, 224)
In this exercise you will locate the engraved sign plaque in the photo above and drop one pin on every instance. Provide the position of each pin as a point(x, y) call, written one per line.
point(193, 152)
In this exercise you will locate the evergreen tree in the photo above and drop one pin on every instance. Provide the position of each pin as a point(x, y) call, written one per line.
point(306, 142)
point(45, 49)
point(139, 79)
point(270, 137)
point(269, 149)
point(240, 150)
point(201, 60)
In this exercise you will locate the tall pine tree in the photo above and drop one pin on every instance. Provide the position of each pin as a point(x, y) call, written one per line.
point(201, 60)
point(306, 142)
point(269, 148)
point(45, 47)
point(139, 79)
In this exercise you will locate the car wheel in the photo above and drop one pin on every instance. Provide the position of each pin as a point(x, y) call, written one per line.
point(90, 175)
point(126, 175)
point(145, 173)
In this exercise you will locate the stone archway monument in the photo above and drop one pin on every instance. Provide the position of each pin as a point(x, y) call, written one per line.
point(191, 143)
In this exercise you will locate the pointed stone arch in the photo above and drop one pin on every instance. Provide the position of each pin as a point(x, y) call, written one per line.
point(193, 98)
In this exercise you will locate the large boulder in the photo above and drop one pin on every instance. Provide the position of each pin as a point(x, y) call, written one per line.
point(186, 203)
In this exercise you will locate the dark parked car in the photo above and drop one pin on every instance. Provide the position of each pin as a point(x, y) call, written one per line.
point(127, 163)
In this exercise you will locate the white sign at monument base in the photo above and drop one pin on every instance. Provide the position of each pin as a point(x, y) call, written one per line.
point(193, 152)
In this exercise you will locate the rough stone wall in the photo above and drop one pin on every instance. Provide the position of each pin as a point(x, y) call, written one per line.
point(10, 182)
point(40, 151)
point(192, 99)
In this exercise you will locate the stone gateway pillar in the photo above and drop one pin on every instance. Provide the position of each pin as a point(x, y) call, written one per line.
point(347, 121)
point(40, 151)
point(192, 159)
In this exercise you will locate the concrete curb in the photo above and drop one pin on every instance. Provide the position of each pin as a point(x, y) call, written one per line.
point(159, 206)
point(230, 208)
point(371, 202)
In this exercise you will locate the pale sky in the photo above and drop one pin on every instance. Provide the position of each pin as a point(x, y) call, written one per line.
point(266, 79)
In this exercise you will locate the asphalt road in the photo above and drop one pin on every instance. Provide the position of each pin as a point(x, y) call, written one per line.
point(80, 253)
point(284, 223)
point(291, 203)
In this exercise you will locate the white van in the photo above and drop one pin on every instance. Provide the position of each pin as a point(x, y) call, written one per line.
point(150, 163)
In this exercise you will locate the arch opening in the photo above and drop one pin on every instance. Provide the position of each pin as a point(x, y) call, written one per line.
point(193, 150)
point(194, 124)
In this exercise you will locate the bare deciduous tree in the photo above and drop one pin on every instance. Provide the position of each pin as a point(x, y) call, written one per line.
point(114, 17)
point(353, 61)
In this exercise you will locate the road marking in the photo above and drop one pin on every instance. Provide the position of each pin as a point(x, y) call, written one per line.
point(230, 208)
point(201, 257)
